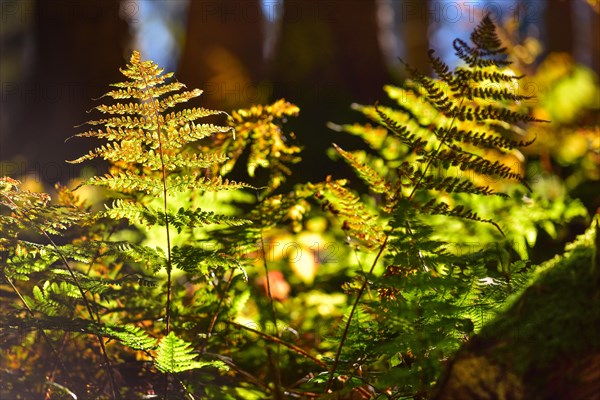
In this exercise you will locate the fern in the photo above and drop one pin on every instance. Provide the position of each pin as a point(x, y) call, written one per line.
point(177, 287)
point(149, 147)
point(445, 137)
point(259, 129)
point(174, 355)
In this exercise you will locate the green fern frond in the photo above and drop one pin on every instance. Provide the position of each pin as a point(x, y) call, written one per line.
point(128, 335)
point(53, 298)
point(183, 218)
point(153, 259)
point(199, 260)
point(175, 355)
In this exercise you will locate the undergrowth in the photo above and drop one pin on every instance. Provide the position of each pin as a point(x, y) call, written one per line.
point(169, 290)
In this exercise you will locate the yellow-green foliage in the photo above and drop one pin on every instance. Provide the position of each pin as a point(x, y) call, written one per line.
point(172, 290)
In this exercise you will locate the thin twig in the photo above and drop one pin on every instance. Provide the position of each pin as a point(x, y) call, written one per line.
point(213, 321)
point(276, 372)
point(165, 204)
point(379, 253)
point(277, 340)
point(81, 292)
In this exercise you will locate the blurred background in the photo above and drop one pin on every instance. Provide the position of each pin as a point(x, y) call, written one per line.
point(58, 55)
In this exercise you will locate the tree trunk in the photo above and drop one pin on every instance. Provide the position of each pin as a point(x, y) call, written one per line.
point(223, 52)
point(326, 58)
point(78, 46)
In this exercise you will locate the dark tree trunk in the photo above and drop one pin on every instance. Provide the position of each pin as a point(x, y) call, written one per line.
point(559, 26)
point(78, 49)
point(413, 28)
point(327, 57)
point(223, 52)
point(332, 44)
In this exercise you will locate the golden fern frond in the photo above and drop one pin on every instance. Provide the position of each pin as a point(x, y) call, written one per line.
point(376, 182)
point(127, 182)
point(260, 130)
point(144, 135)
point(357, 221)
point(180, 183)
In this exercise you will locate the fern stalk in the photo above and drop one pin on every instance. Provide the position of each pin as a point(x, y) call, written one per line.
point(46, 338)
point(213, 320)
point(336, 360)
point(379, 253)
point(275, 366)
point(81, 292)
point(164, 188)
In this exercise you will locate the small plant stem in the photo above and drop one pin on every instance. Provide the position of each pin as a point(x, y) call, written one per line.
point(165, 209)
point(336, 361)
point(379, 253)
point(113, 383)
point(213, 321)
point(277, 340)
point(276, 372)
point(165, 205)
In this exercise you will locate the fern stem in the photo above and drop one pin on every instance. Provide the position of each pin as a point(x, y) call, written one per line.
point(104, 353)
point(165, 208)
point(379, 253)
point(213, 321)
point(165, 204)
point(336, 361)
point(276, 372)
point(46, 338)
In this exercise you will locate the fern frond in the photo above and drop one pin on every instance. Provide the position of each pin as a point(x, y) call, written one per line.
point(480, 139)
point(376, 183)
point(183, 218)
point(434, 207)
point(129, 335)
point(201, 260)
point(259, 129)
point(357, 221)
point(194, 218)
point(175, 355)
point(402, 132)
point(180, 183)
point(456, 185)
point(29, 258)
point(127, 182)
point(53, 298)
point(454, 156)
point(154, 259)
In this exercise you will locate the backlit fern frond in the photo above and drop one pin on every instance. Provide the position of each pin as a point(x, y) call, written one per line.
point(260, 129)
point(146, 138)
point(358, 222)
point(456, 129)
point(371, 177)
point(183, 218)
point(175, 355)
point(444, 138)
point(24, 211)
